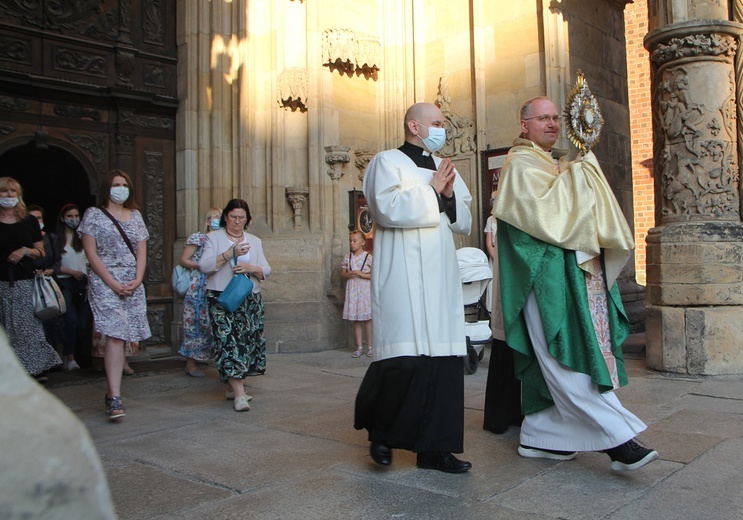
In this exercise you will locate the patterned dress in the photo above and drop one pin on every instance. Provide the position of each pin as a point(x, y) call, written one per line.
point(358, 290)
point(16, 308)
point(122, 318)
point(197, 328)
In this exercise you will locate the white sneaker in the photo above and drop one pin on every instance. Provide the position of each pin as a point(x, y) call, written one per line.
point(71, 365)
point(241, 403)
point(230, 395)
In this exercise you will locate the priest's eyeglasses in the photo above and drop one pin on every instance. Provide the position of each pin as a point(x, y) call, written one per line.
point(544, 118)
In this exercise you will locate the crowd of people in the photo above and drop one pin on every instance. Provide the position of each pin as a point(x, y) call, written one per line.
point(556, 242)
point(99, 261)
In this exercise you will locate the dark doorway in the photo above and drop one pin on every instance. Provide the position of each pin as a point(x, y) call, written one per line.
point(50, 177)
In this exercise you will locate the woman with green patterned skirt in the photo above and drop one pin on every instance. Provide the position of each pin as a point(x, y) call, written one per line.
point(239, 346)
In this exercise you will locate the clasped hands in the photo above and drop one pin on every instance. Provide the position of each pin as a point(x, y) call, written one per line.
point(124, 290)
point(443, 178)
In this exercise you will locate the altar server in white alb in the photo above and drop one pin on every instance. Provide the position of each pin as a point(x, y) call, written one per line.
point(412, 396)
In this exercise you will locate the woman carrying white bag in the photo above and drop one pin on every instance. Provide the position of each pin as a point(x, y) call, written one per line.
point(20, 243)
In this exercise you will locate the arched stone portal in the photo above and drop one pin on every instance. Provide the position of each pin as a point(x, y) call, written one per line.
point(50, 176)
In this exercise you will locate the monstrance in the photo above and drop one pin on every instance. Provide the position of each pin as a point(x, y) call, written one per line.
point(583, 116)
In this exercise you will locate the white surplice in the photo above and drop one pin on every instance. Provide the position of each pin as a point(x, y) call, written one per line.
point(417, 307)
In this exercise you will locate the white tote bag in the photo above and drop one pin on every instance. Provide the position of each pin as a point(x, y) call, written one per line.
point(47, 298)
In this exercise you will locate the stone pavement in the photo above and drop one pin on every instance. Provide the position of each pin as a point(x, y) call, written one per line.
point(183, 453)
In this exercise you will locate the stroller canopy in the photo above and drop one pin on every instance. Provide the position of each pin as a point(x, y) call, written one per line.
point(474, 273)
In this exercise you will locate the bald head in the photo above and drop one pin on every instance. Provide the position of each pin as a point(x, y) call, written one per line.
point(540, 122)
point(418, 118)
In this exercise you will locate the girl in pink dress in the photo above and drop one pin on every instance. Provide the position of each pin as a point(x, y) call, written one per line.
point(356, 270)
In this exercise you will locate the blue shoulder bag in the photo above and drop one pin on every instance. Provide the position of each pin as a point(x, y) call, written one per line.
point(237, 290)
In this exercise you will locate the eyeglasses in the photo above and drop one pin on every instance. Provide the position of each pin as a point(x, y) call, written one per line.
point(544, 118)
point(237, 218)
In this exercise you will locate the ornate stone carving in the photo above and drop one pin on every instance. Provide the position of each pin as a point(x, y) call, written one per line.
point(153, 20)
point(55, 15)
point(348, 53)
point(41, 140)
point(292, 87)
point(77, 112)
point(125, 144)
point(95, 145)
point(75, 61)
point(6, 129)
point(336, 156)
point(11, 103)
point(694, 46)
point(460, 130)
point(697, 158)
point(297, 197)
point(12, 49)
point(154, 75)
point(154, 179)
point(124, 67)
point(125, 10)
point(106, 28)
point(362, 160)
point(162, 123)
point(156, 319)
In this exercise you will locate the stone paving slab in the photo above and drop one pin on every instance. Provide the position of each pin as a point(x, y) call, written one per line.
point(182, 452)
point(708, 487)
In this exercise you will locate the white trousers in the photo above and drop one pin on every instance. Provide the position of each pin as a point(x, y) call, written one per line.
point(583, 419)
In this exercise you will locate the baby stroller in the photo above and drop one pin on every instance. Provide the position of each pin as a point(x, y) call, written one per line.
point(475, 274)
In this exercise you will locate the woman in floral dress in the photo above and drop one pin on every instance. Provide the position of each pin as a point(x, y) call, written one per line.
point(115, 289)
point(197, 329)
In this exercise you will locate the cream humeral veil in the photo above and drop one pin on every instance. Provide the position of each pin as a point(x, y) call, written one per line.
point(570, 206)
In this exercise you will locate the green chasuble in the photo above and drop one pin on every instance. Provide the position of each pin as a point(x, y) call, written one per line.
point(527, 264)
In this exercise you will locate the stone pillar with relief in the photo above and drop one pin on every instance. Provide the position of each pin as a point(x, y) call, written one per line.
point(695, 252)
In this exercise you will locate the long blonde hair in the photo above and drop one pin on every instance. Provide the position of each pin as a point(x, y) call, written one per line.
point(20, 208)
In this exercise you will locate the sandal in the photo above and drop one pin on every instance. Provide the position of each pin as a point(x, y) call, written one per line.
point(369, 352)
point(358, 352)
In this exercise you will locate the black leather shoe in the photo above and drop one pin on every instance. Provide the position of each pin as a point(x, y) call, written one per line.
point(381, 454)
point(442, 461)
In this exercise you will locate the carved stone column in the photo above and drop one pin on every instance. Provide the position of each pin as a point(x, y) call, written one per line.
point(695, 254)
point(336, 156)
point(297, 197)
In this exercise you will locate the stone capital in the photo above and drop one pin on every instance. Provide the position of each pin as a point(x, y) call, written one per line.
point(336, 156)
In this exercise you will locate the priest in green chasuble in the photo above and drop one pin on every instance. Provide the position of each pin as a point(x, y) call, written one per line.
point(562, 242)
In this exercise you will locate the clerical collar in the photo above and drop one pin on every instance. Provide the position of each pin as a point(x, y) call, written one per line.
point(418, 155)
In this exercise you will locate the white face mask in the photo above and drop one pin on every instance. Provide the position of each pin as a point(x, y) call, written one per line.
point(436, 139)
point(214, 224)
point(119, 194)
point(41, 225)
point(8, 202)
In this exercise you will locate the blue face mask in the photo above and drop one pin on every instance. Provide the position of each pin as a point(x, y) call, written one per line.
point(118, 194)
point(72, 223)
point(436, 139)
point(214, 224)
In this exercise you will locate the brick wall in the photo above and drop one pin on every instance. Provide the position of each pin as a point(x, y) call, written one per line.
point(641, 128)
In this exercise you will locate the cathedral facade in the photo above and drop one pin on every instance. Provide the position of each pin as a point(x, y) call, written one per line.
point(283, 103)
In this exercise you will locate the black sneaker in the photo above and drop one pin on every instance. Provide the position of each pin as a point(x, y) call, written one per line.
point(630, 455)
